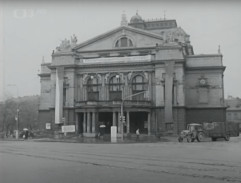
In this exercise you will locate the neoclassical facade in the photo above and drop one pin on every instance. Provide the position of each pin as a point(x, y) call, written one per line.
point(149, 66)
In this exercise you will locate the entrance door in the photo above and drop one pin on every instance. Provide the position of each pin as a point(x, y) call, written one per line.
point(139, 120)
point(80, 123)
point(106, 119)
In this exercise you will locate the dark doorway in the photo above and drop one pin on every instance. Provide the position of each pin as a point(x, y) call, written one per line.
point(138, 120)
point(106, 119)
point(80, 123)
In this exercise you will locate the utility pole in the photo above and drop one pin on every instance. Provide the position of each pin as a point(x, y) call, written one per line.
point(121, 120)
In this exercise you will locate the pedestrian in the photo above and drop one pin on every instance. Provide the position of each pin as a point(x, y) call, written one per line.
point(137, 134)
point(102, 129)
point(26, 134)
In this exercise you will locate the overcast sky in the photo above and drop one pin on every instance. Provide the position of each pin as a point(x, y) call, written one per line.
point(30, 31)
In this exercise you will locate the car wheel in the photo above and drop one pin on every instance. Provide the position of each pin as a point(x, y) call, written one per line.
point(189, 139)
point(180, 139)
point(214, 139)
point(200, 136)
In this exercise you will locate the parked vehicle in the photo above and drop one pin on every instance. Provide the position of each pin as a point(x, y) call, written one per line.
point(212, 130)
point(194, 132)
point(224, 130)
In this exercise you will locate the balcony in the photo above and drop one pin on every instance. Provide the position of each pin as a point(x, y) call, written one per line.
point(117, 103)
point(115, 95)
point(93, 96)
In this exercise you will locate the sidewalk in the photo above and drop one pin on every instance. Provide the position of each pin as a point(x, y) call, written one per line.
point(96, 140)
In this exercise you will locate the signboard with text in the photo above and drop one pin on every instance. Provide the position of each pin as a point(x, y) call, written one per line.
point(48, 126)
point(68, 128)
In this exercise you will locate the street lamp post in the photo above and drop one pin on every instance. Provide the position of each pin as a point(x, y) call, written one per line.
point(122, 111)
point(17, 123)
point(17, 117)
point(122, 121)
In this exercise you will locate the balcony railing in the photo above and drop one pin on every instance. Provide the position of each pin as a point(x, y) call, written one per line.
point(93, 96)
point(116, 103)
point(115, 95)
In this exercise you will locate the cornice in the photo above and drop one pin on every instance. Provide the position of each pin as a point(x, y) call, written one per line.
point(164, 61)
point(64, 53)
point(102, 65)
point(208, 107)
point(65, 66)
point(44, 110)
point(44, 75)
point(97, 65)
point(115, 64)
point(45, 64)
point(204, 55)
point(205, 68)
point(150, 48)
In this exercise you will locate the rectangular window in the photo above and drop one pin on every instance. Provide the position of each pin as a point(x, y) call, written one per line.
point(115, 95)
point(93, 96)
point(64, 96)
point(235, 115)
point(140, 96)
point(228, 116)
point(115, 87)
point(124, 42)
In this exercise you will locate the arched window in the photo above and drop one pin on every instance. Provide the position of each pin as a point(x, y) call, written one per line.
point(93, 89)
point(115, 92)
point(124, 42)
point(138, 86)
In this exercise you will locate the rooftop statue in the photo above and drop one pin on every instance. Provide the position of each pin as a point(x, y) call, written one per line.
point(176, 35)
point(73, 40)
point(64, 45)
point(67, 44)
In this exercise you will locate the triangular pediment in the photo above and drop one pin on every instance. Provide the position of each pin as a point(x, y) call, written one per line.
point(107, 41)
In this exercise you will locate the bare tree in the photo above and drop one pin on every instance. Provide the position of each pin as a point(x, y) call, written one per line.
point(28, 113)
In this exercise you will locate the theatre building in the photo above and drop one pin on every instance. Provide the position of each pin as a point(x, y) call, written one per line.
point(148, 67)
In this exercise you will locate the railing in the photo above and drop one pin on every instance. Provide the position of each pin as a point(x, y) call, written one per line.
point(93, 96)
point(115, 95)
point(138, 103)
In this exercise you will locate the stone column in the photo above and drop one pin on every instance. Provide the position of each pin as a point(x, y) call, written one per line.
point(84, 123)
point(149, 123)
point(93, 122)
point(114, 119)
point(59, 95)
point(180, 87)
point(77, 123)
point(88, 122)
point(128, 122)
point(97, 123)
point(168, 91)
point(119, 124)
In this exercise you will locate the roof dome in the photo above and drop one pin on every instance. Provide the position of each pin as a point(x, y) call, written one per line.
point(136, 19)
